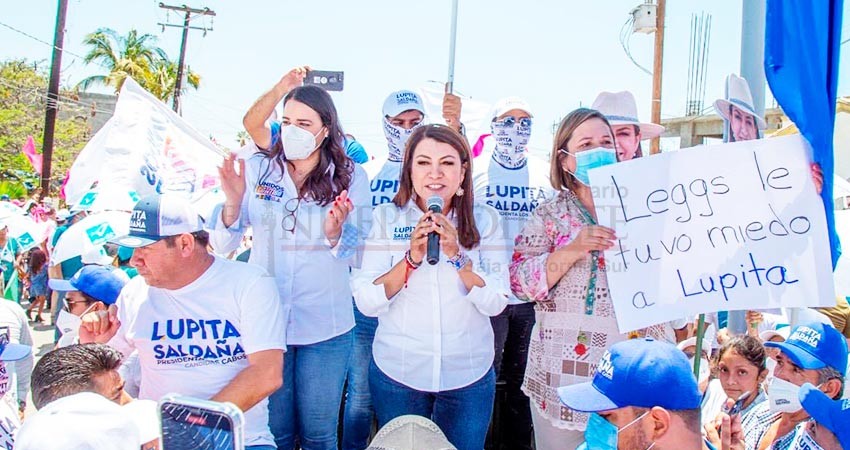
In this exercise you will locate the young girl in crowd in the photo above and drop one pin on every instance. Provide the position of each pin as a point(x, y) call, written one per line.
point(38, 283)
point(433, 348)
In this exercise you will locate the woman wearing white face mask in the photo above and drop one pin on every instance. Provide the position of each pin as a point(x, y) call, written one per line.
point(558, 263)
point(302, 197)
point(92, 288)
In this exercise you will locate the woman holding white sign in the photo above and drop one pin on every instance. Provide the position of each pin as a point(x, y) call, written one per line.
point(558, 263)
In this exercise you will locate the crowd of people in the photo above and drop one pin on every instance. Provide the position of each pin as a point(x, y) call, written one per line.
point(325, 296)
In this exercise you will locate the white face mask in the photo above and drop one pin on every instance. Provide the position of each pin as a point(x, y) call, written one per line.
point(396, 139)
point(511, 142)
point(298, 143)
point(783, 396)
point(69, 325)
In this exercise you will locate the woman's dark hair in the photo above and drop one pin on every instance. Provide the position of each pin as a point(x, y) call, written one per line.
point(748, 347)
point(317, 186)
point(560, 179)
point(467, 232)
point(37, 260)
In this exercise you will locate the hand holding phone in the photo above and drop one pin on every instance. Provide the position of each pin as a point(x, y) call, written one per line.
point(190, 423)
point(328, 80)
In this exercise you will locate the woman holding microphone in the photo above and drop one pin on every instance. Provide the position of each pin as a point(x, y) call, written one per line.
point(300, 194)
point(433, 348)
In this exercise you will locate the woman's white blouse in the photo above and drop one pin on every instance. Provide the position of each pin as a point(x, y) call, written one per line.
point(432, 335)
point(312, 278)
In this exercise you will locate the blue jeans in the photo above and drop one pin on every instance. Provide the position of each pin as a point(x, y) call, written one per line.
point(463, 414)
point(512, 332)
point(306, 407)
point(259, 447)
point(357, 418)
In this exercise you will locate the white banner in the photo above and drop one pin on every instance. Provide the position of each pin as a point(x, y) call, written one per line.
point(147, 148)
point(726, 227)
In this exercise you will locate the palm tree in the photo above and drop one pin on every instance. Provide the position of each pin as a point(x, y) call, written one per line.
point(161, 79)
point(130, 56)
point(133, 56)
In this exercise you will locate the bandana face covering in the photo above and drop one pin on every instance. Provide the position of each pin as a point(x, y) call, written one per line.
point(511, 137)
point(396, 139)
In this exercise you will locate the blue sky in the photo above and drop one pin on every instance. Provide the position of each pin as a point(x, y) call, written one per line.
point(556, 54)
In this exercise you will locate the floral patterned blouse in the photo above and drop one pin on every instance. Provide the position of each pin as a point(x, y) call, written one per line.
point(575, 319)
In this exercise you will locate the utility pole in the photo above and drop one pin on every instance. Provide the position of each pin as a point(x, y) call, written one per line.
point(657, 65)
point(178, 86)
point(52, 98)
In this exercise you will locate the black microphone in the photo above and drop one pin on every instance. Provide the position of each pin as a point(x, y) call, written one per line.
point(435, 204)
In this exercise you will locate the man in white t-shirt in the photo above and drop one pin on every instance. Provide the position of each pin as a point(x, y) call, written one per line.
point(507, 178)
point(203, 326)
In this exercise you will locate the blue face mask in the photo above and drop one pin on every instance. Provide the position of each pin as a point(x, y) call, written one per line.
point(591, 159)
point(601, 434)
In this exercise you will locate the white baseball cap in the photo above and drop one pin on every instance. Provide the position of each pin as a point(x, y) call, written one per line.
point(159, 216)
point(508, 103)
point(692, 342)
point(401, 101)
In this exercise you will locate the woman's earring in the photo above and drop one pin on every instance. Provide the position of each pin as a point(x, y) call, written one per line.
point(459, 192)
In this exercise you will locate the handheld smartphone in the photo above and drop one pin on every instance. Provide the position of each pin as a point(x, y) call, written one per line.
point(329, 80)
point(739, 404)
point(190, 423)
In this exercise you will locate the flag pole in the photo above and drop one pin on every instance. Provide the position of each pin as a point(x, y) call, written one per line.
point(700, 334)
point(452, 40)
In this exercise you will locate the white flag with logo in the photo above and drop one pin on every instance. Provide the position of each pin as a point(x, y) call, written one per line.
point(147, 148)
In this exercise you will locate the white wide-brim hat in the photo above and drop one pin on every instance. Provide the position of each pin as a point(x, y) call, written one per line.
point(620, 108)
point(410, 433)
point(738, 95)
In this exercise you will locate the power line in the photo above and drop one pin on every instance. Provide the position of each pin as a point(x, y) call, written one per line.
point(188, 17)
point(24, 33)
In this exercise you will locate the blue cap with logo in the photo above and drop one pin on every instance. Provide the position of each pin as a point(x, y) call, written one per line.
point(10, 351)
point(814, 346)
point(95, 281)
point(834, 415)
point(637, 372)
point(159, 216)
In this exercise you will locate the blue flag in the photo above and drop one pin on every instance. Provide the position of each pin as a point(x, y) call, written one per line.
point(802, 40)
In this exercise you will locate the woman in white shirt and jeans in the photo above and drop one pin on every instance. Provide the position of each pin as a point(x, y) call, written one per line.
point(300, 193)
point(433, 349)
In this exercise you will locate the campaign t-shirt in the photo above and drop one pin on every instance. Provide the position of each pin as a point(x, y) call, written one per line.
point(383, 179)
point(195, 340)
point(514, 193)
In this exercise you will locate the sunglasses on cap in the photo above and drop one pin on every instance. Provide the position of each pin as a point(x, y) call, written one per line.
point(510, 121)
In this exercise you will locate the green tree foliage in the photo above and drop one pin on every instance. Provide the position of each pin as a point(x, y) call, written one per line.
point(135, 56)
point(23, 99)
